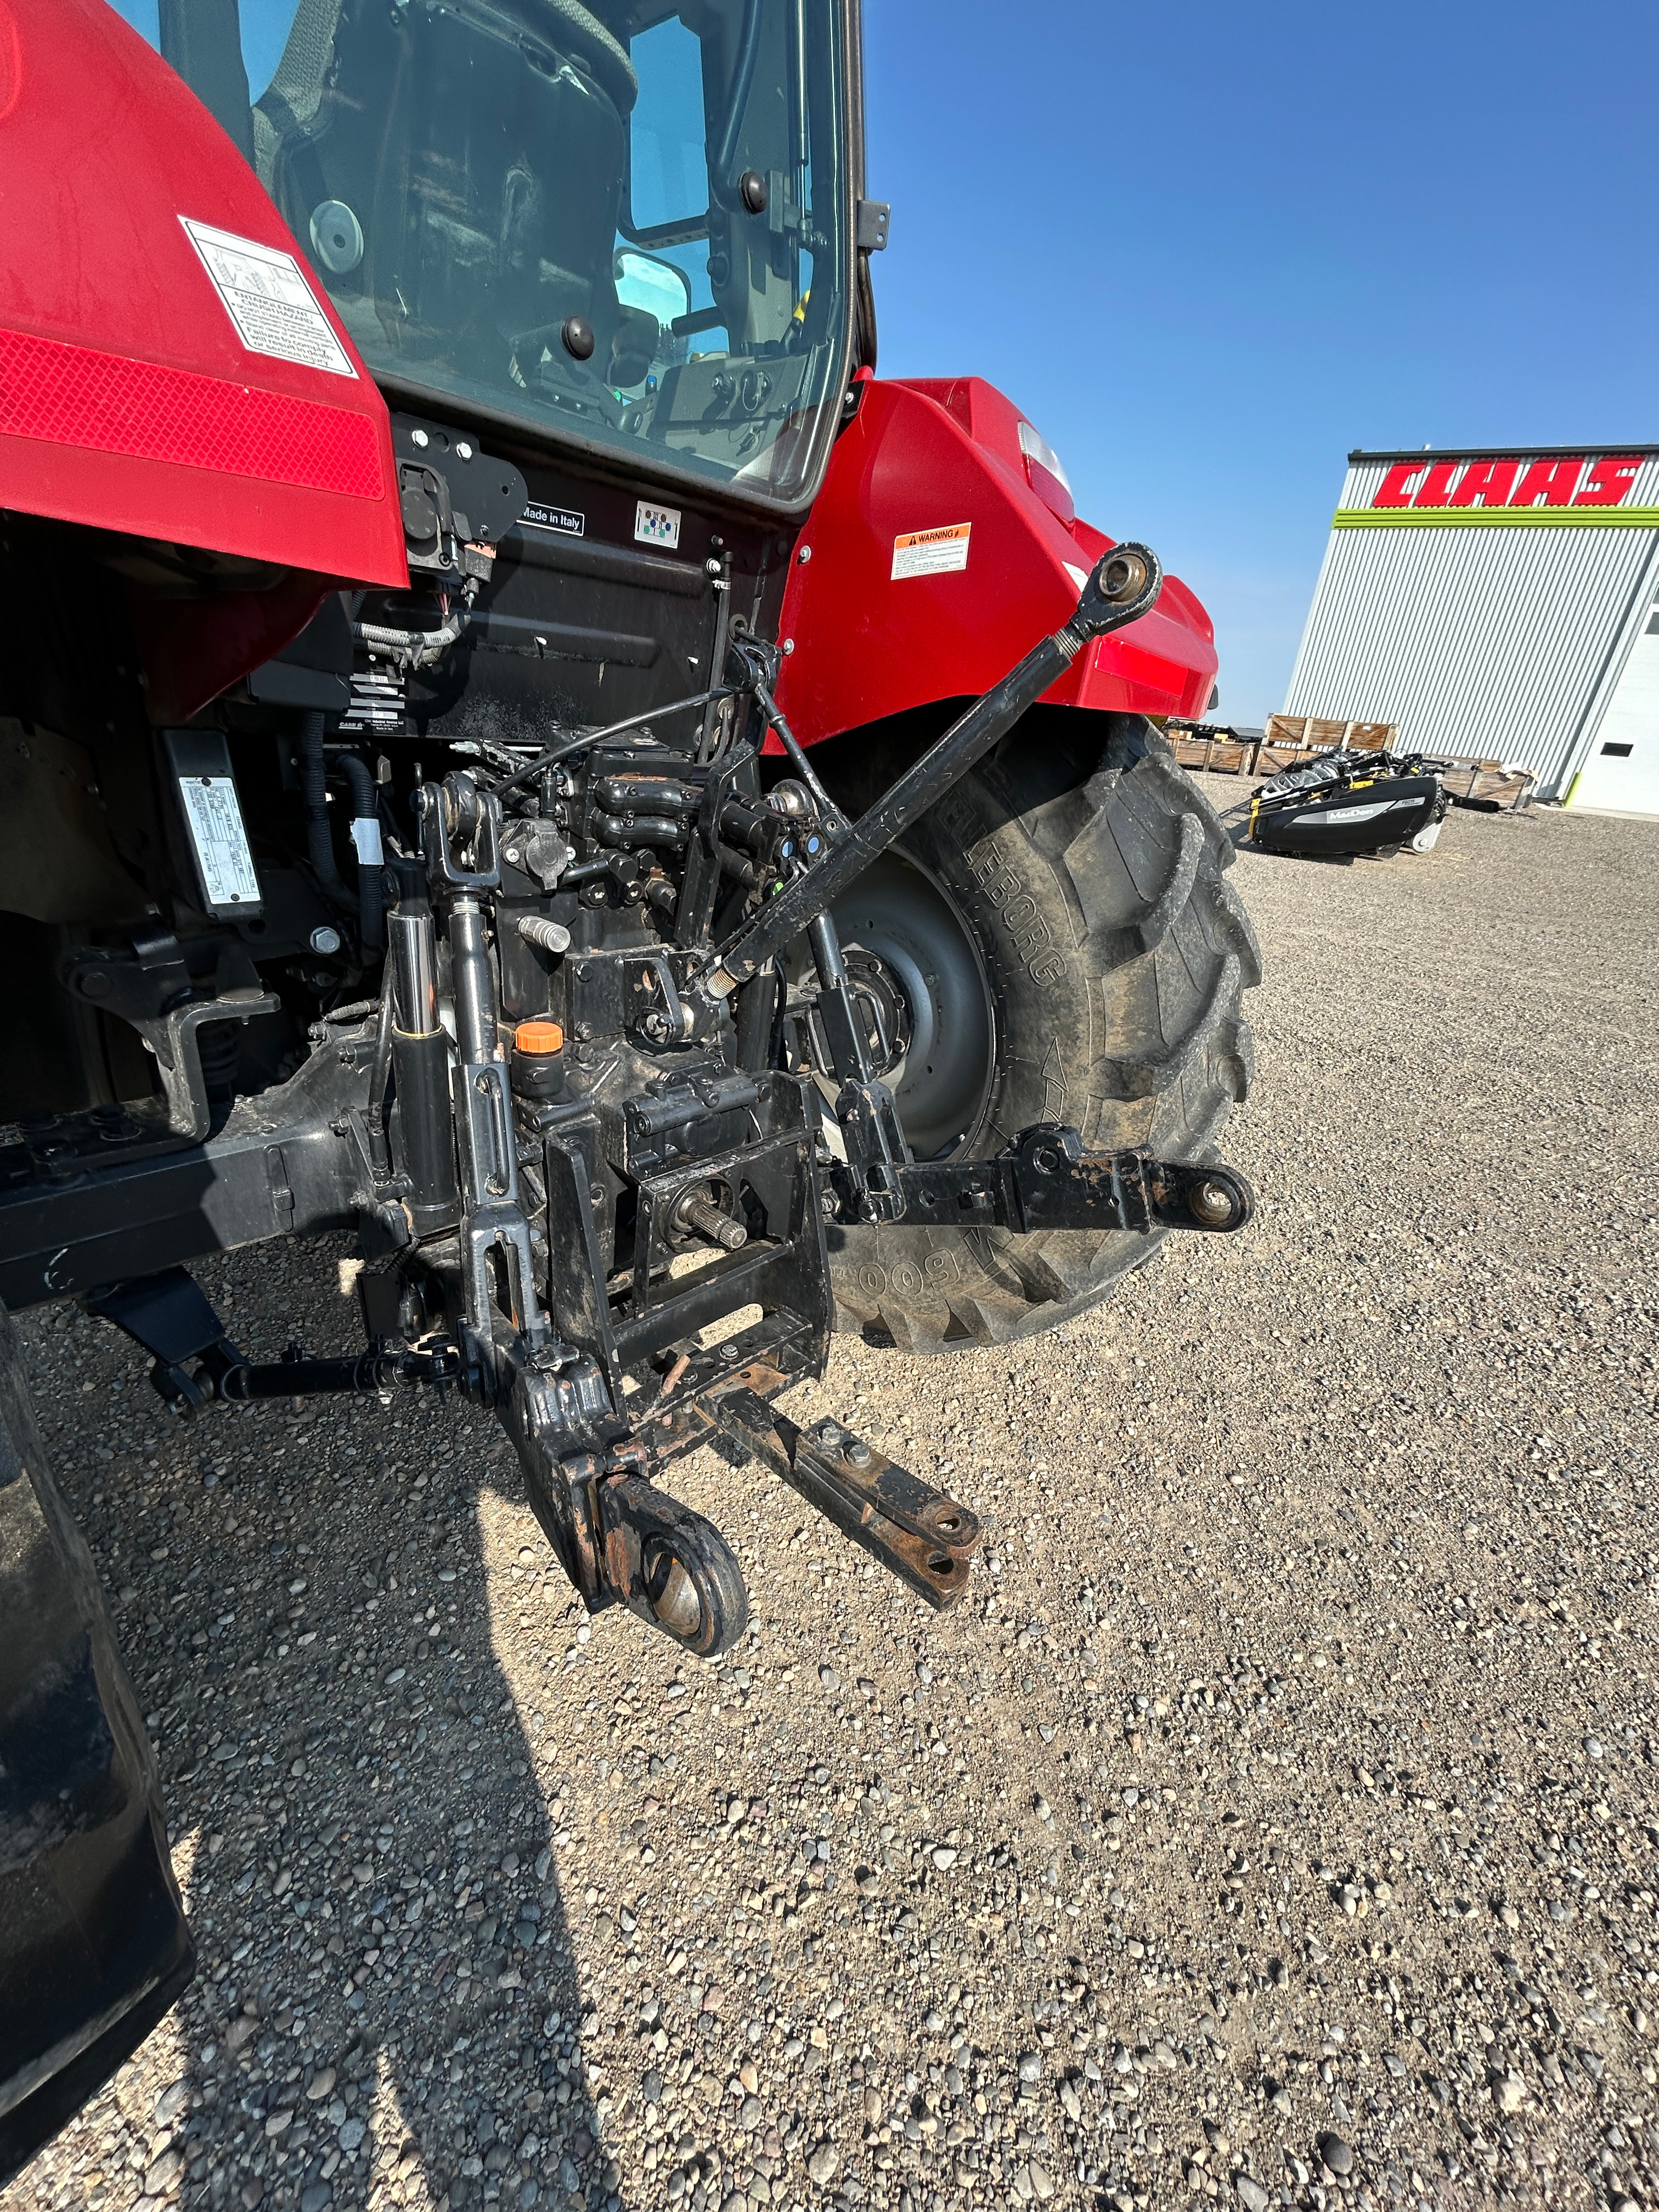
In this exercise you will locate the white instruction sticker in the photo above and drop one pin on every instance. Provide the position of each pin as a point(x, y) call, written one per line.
point(656, 525)
point(565, 521)
point(267, 298)
point(366, 837)
point(931, 552)
point(221, 842)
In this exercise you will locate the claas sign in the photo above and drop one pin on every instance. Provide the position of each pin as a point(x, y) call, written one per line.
point(1552, 480)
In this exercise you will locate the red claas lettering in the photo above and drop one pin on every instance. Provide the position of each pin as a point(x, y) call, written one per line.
point(1550, 481)
point(1397, 487)
point(1437, 484)
point(1487, 482)
point(1609, 479)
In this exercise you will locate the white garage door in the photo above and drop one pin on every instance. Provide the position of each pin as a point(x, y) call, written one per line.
point(1622, 772)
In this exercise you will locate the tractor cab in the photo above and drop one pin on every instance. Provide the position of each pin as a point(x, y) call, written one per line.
point(627, 229)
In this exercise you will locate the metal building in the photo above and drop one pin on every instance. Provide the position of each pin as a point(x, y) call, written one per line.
point(1503, 604)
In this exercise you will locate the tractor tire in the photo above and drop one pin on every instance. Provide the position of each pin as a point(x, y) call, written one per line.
point(1087, 884)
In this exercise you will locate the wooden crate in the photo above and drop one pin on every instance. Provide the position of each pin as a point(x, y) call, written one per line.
point(1318, 733)
point(1224, 752)
point(1216, 750)
point(1487, 783)
point(1270, 759)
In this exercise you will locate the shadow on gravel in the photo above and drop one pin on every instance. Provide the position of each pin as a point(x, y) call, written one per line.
point(386, 2002)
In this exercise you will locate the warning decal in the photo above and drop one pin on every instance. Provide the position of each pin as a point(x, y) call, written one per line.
point(931, 552)
point(267, 298)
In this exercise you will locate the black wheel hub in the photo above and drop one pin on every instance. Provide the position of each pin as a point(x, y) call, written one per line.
point(888, 1029)
point(913, 963)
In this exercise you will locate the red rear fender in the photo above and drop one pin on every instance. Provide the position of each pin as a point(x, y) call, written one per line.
point(930, 565)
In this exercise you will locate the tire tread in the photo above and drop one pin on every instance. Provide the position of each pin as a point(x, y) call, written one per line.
point(1140, 855)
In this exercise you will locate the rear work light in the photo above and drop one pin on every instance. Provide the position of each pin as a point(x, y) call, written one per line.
point(1043, 472)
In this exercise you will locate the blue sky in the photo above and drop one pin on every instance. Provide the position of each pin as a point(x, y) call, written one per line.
point(1208, 249)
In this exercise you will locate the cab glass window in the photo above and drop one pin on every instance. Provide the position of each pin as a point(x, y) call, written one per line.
point(626, 225)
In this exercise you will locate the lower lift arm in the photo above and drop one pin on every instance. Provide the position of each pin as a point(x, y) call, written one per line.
point(1045, 1180)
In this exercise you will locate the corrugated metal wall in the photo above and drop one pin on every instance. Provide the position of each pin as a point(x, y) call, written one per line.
point(1500, 641)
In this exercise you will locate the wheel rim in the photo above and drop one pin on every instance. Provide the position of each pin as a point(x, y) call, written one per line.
point(898, 916)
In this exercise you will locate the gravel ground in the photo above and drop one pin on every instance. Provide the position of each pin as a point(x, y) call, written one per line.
point(1275, 1822)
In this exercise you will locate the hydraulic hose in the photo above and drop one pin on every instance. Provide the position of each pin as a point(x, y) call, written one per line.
point(567, 746)
point(320, 844)
point(313, 784)
point(370, 882)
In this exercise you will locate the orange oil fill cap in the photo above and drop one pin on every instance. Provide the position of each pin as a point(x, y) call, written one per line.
point(535, 1038)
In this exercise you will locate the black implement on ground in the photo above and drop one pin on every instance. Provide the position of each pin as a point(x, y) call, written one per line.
point(1343, 804)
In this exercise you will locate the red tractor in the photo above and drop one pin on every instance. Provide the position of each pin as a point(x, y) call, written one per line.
point(519, 750)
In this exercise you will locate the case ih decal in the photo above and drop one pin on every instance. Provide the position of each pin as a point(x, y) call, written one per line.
point(1438, 489)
